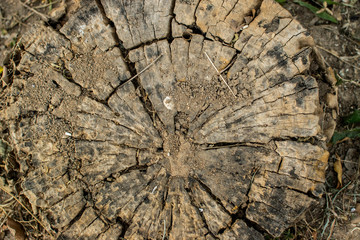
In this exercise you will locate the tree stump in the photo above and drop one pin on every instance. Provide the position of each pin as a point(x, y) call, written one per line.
point(171, 153)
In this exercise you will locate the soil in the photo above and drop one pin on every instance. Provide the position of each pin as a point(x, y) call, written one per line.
point(338, 40)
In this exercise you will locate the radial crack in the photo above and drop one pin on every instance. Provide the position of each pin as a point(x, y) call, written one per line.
point(213, 196)
point(195, 162)
point(192, 202)
point(76, 218)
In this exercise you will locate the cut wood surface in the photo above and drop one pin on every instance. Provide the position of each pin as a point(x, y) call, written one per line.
point(171, 154)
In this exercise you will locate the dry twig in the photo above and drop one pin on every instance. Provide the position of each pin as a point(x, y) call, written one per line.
point(43, 16)
point(331, 229)
point(27, 210)
point(337, 56)
point(147, 67)
point(47, 4)
point(219, 74)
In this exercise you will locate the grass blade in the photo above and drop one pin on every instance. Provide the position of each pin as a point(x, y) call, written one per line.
point(338, 136)
point(353, 118)
point(323, 15)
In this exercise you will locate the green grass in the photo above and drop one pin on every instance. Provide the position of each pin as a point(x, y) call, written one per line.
point(316, 7)
point(352, 121)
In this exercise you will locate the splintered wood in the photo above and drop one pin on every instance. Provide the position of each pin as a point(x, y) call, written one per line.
point(169, 153)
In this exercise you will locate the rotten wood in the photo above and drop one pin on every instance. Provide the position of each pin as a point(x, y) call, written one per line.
point(169, 153)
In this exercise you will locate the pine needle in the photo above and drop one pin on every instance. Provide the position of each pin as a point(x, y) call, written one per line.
point(27, 210)
point(147, 67)
point(212, 64)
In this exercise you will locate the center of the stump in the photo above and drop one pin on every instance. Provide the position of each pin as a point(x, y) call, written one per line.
point(179, 152)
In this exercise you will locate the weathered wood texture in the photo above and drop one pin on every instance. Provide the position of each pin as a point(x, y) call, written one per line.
point(171, 154)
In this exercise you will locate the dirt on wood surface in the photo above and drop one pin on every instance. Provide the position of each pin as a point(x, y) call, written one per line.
point(116, 122)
